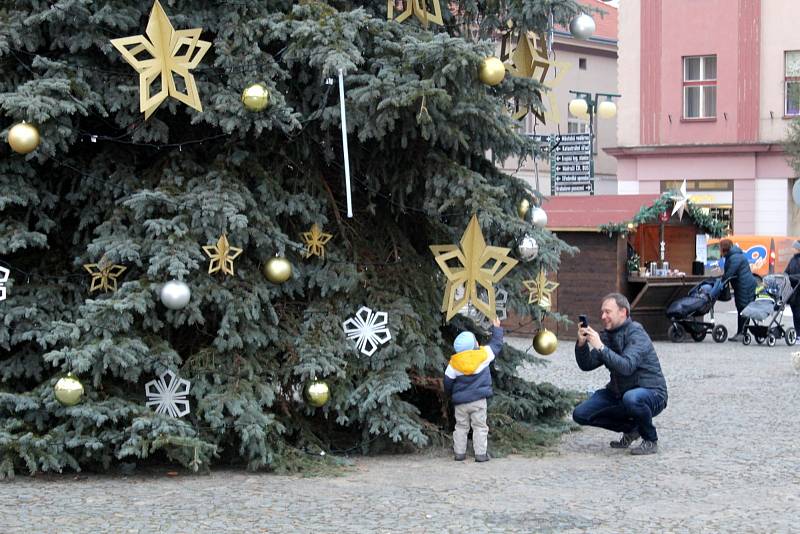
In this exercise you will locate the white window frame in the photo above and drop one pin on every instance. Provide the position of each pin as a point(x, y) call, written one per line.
point(702, 83)
point(786, 81)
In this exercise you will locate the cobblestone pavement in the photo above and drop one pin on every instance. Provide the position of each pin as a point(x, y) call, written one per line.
point(729, 461)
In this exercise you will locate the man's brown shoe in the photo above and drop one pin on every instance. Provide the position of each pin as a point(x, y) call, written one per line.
point(625, 441)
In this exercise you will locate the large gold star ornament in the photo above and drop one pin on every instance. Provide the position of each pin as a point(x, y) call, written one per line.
point(418, 8)
point(104, 275)
point(222, 256)
point(473, 271)
point(163, 60)
point(315, 240)
point(540, 289)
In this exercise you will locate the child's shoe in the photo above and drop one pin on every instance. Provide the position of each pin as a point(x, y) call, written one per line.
point(459, 457)
point(481, 457)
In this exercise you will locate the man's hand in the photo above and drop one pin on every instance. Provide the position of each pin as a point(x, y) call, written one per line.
point(496, 322)
point(592, 337)
point(582, 332)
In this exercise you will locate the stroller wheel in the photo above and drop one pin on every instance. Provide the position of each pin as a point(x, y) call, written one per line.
point(676, 333)
point(770, 340)
point(759, 340)
point(791, 336)
point(720, 333)
point(699, 336)
point(746, 339)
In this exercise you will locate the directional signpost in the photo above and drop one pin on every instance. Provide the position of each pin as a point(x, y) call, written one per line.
point(571, 166)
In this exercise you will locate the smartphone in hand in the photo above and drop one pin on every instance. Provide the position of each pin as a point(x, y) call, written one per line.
point(584, 322)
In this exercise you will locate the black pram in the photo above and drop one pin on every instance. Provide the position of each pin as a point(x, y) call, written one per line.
point(686, 313)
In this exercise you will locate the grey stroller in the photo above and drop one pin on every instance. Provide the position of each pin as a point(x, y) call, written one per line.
point(765, 313)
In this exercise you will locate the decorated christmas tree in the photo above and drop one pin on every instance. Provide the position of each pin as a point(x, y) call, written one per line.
point(185, 281)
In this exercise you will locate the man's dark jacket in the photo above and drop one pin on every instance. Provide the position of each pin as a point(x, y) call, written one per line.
point(793, 270)
point(629, 356)
point(744, 285)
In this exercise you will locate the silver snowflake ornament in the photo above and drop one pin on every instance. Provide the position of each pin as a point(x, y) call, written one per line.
point(4, 274)
point(477, 316)
point(169, 396)
point(369, 329)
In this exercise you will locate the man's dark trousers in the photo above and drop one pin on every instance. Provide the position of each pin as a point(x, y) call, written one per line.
point(634, 411)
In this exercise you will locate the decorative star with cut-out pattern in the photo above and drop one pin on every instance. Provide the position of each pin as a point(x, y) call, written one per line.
point(164, 61)
point(540, 290)
point(315, 240)
point(221, 256)
point(104, 275)
point(473, 271)
point(680, 201)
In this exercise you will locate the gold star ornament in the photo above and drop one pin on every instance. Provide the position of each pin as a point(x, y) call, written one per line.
point(104, 275)
point(472, 271)
point(221, 256)
point(418, 8)
point(540, 289)
point(315, 240)
point(167, 53)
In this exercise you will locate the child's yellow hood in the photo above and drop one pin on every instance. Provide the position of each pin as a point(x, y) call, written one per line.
point(468, 361)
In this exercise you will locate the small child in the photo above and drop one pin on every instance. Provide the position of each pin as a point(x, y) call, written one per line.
point(468, 382)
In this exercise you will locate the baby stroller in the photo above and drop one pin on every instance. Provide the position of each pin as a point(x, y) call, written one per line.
point(765, 313)
point(687, 313)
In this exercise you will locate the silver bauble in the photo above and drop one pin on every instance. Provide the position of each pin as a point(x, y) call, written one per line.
point(528, 248)
point(539, 217)
point(582, 26)
point(68, 390)
point(175, 294)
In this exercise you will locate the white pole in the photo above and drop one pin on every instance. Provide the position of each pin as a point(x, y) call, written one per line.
point(344, 146)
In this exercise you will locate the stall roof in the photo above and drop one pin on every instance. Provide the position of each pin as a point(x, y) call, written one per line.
point(588, 213)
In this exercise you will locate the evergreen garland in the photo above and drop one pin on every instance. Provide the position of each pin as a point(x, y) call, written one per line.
point(648, 214)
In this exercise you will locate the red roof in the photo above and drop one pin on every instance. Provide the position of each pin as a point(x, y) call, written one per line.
point(588, 213)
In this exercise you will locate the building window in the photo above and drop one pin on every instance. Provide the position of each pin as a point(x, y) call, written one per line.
point(791, 82)
point(699, 87)
point(577, 127)
point(582, 63)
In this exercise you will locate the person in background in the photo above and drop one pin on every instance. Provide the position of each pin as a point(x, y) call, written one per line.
point(743, 282)
point(793, 270)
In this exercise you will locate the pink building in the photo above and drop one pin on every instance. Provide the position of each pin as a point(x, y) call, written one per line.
point(708, 88)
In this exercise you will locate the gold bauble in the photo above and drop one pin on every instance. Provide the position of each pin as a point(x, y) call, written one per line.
point(255, 97)
point(68, 390)
point(492, 71)
point(278, 270)
point(23, 138)
point(545, 342)
point(523, 207)
point(317, 393)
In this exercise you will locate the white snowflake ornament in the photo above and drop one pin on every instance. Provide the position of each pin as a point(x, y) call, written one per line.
point(168, 396)
point(4, 274)
point(369, 329)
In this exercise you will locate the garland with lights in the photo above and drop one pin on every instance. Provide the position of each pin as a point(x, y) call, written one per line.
point(704, 221)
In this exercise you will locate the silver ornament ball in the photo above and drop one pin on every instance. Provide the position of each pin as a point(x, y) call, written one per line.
point(175, 294)
point(528, 247)
point(539, 217)
point(582, 26)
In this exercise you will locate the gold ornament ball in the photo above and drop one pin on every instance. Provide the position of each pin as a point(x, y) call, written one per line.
point(278, 270)
point(23, 138)
point(523, 207)
point(317, 393)
point(68, 390)
point(255, 97)
point(545, 342)
point(492, 71)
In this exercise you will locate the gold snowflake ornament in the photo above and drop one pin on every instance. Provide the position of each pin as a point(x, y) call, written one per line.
point(221, 256)
point(540, 289)
point(315, 240)
point(473, 271)
point(104, 275)
point(163, 60)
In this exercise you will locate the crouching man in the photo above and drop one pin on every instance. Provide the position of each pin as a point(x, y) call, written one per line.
point(637, 391)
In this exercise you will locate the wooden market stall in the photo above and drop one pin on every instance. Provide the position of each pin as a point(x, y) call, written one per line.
point(608, 230)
